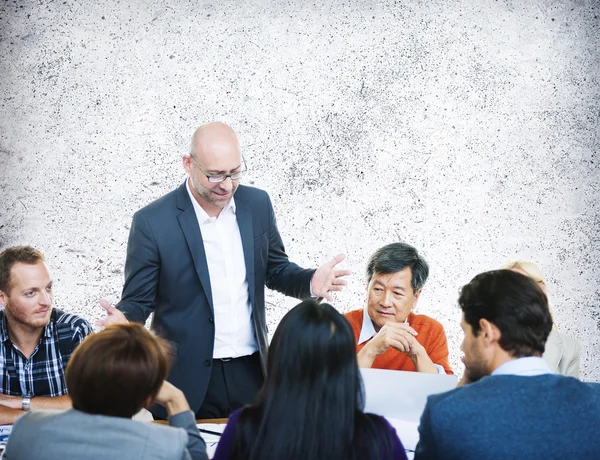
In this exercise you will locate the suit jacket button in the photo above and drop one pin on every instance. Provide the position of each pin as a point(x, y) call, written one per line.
point(211, 320)
point(207, 363)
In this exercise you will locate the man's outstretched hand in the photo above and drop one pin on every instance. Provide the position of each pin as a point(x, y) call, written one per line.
point(113, 315)
point(327, 278)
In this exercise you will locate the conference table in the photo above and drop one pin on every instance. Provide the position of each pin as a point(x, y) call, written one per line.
point(216, 421)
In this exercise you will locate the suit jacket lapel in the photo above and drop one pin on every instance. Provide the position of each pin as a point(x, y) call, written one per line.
point(244, 219)
point(191, 230)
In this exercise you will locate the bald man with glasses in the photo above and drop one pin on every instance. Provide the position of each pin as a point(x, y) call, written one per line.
point(199, 259)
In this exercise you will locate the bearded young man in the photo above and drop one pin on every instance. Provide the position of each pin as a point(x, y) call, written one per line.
point(36, 340)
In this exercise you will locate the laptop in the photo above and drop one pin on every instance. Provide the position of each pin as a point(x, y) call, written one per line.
point(402, 394)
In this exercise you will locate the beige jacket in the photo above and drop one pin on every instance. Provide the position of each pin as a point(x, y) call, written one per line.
point(562, 354)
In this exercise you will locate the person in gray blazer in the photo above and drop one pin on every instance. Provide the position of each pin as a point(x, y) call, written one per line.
point(561, 352)
point(512, 405)
point(110, 377)
point(199, 259)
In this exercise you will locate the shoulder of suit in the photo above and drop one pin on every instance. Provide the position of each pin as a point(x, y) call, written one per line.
point(246, 191)
point(568, 341)
point(511, 387)
point(31, 420)
point(38, 416)
point(169, 200)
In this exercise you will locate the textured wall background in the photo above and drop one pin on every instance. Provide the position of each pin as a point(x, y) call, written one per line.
point(469, 129)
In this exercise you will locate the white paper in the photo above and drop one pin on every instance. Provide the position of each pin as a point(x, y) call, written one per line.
point(402, 395)
point(211, 440)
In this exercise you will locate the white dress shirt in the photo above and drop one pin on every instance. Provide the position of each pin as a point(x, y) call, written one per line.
point(368, 330)
point(234, 330)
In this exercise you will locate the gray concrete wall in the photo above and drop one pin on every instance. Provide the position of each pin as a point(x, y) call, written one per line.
point(467, 128)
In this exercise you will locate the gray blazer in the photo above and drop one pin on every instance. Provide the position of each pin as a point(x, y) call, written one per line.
point(562, 354)
point(72, 434)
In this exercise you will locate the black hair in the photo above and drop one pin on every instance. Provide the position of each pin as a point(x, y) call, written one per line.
point(515, 304)
point(310, 406)
point(396, 257)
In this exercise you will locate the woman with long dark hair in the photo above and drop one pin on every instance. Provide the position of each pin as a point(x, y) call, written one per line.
point(310, 406)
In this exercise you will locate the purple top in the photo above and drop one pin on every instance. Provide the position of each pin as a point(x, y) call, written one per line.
point(226, 441)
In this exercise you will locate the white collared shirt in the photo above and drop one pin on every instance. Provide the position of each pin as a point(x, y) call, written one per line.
point(367, 331)
point(530, 365)
point(234, 331)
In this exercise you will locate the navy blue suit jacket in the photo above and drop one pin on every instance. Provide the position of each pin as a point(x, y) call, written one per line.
point(508, 416)
point(166, 273)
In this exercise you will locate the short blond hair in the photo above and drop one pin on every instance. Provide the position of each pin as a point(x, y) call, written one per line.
point(532, 270)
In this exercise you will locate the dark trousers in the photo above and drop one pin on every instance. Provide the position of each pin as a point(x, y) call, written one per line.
point(233, 383)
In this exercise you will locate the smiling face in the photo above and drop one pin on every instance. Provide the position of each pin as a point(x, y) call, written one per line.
point(215, 149)
point(390, 297)
point(28, 302)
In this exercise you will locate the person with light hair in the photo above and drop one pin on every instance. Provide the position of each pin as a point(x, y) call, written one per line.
point(562, 352)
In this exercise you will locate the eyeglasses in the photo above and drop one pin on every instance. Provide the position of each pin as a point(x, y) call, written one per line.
point(217, 178)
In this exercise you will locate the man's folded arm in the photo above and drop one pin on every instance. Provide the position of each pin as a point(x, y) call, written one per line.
point(46, 402)
point(11, 406)
point(8, 415)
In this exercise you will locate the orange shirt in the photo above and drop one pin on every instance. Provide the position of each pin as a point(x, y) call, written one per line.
point(431, 336)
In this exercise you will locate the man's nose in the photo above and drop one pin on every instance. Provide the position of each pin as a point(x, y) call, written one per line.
point(227, 184)
point(386, 300)
point(45, 298)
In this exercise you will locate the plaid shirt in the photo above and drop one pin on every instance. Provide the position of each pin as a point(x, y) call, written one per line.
point(43, 374)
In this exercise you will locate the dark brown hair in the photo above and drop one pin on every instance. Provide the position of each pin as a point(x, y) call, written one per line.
point(515, 304)
point(114, 372)
point(11, 256)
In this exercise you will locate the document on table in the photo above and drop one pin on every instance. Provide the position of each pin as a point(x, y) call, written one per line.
point(4, 432)
point(211, 439)
point(402, 395)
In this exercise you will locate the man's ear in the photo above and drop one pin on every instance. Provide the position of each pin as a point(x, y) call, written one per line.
point(3, 299)
point(489, 331)
point(187, 160)
point(417, 294)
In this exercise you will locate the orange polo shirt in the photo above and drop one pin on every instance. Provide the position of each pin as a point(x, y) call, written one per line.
point(431, 336)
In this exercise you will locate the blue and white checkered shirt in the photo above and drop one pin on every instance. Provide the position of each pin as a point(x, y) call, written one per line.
point(43, 374)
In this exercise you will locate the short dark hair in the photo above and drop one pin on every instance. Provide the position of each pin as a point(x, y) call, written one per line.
point(13, 255)
point(114, 372)
point(396, 257)
point(515, 304)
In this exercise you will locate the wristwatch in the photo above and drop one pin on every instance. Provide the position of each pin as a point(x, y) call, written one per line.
point(25, 403)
